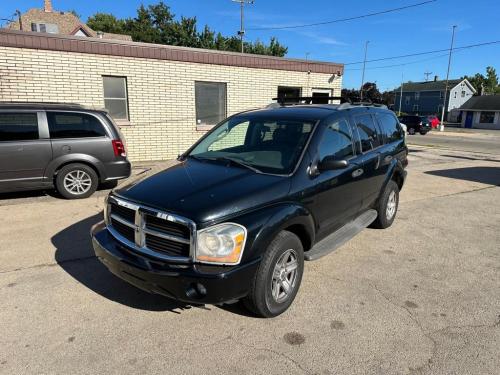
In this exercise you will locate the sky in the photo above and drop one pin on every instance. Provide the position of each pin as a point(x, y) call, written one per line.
point(414, 30)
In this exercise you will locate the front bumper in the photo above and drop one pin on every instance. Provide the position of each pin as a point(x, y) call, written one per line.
point(193, 283)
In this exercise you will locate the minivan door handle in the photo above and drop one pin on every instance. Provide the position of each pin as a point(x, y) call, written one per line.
point(358, 172)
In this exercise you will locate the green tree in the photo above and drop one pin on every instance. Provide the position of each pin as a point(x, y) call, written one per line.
point(157, 24)
point(485, 84)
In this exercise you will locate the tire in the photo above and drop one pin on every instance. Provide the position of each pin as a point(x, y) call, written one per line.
point(389, 198)
point(267, 297)
point(422, 132)
point(76, 181)
point(411, 131)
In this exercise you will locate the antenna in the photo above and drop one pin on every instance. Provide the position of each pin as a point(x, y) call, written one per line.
point(427, 74)
point(241, 32)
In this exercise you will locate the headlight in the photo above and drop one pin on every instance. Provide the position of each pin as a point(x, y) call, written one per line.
point(221, 244)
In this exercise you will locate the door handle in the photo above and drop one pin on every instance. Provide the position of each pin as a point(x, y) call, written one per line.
point(358, 172)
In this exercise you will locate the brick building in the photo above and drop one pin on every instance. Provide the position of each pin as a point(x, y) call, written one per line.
point(48, 20)
point(163, 97)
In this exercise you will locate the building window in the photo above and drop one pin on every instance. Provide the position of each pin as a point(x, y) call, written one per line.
point(210, 99)
point(50, 28)
point(440, 109)
point(289, 93)
point(407, 100)
point(415, 108)
point(463, 94)
point(115, 97)
point(487, 118)
point(417, 96)
point(455, 95)
point(441, 94)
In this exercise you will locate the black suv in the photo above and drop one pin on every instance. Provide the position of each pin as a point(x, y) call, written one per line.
point(68, 146)
point(416, 124)
point(243, 208)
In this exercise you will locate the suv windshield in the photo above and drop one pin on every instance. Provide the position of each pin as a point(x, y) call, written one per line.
point(264, 145)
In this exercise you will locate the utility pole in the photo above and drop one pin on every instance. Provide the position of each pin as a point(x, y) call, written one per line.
point(427, 74)
point(363, 75)
point(441, 126)
point(401, 95)
point(241, 33)
point(18, 13)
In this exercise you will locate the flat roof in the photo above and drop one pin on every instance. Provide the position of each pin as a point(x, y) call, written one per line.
point(65, 43)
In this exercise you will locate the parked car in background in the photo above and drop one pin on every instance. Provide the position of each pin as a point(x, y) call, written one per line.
point(430, 121)
point(415, 124)
point(242, 209)
point(66, 146)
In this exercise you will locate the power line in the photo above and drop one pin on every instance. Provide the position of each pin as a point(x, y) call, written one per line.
point(344, 19)
point(426, 53)
point(396, 65)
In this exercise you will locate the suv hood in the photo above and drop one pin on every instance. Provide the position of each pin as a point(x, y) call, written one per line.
point(205, 191)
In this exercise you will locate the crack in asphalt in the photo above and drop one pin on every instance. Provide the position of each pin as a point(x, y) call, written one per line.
point(49, 264)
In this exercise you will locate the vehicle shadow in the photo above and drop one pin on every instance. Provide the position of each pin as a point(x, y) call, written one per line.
point(484, 175)
point(75, 255)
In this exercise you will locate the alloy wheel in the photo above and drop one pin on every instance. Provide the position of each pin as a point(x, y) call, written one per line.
point(284, 278)
point(77, 182)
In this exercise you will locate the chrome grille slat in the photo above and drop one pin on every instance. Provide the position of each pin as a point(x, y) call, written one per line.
point(173, 241)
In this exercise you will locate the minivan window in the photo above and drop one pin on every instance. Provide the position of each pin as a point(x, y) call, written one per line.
point(18, 126)
point(267, 145)
point(390, 127)
point(368, 133)
point(336, 141)
point(74, 125)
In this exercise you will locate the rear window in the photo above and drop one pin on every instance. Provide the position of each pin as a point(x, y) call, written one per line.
point(368, 132)
point(18, 127)
point(74, 125)
point(390, 127)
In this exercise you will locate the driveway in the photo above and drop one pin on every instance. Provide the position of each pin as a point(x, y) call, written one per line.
point(421, 297)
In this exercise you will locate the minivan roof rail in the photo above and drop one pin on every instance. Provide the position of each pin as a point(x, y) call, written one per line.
point(349, 104)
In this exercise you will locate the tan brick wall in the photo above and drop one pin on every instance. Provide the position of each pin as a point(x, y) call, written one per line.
point(161, 93)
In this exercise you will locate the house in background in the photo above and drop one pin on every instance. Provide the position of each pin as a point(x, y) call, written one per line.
point(482, 112)
point(48, 20)
point(427, 98)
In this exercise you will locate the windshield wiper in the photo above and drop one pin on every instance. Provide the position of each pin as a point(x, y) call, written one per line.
point(237, 162)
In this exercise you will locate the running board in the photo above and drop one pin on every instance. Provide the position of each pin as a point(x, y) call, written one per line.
point(341, 236)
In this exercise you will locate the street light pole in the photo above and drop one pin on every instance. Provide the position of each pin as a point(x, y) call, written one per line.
point(441, 126)
point(363, 75)
point(401, 95)
point(241, 33)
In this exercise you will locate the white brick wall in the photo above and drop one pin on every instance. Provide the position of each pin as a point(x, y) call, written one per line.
point(161, 93)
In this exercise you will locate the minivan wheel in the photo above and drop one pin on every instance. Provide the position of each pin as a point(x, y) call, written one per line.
point(76, 181)
point(387, 206)
point(278, 278)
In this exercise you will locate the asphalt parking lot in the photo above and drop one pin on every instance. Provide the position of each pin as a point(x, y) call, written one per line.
point(421, 297)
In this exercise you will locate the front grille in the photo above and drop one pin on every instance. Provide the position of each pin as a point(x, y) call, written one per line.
point(167, 227)
point(158, 234)
point(166, 246)
point(124, 230)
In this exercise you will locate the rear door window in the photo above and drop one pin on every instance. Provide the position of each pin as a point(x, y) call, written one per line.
point(18, 127)
point(390, 127)
point(74, 125)
point(369, 134)
point(337, 141)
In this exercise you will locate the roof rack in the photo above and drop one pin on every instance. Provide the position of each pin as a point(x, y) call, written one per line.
point(298, 100)
point(368, 103)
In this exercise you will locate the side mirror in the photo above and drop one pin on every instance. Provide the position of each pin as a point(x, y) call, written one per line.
point(329, 163)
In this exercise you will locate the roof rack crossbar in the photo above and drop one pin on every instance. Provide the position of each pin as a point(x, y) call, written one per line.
point(297, 100)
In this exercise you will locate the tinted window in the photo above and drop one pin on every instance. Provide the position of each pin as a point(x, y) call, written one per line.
point(368, 133)
point(74, 125)
point(336, 141)
point(390, 127)
point(289, 93)
point(18, 126)
point(210, 100)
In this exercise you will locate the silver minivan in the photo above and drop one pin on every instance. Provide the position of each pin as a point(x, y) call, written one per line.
point(66, 146)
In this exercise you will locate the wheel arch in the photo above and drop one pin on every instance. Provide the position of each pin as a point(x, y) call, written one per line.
point(56, 165)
